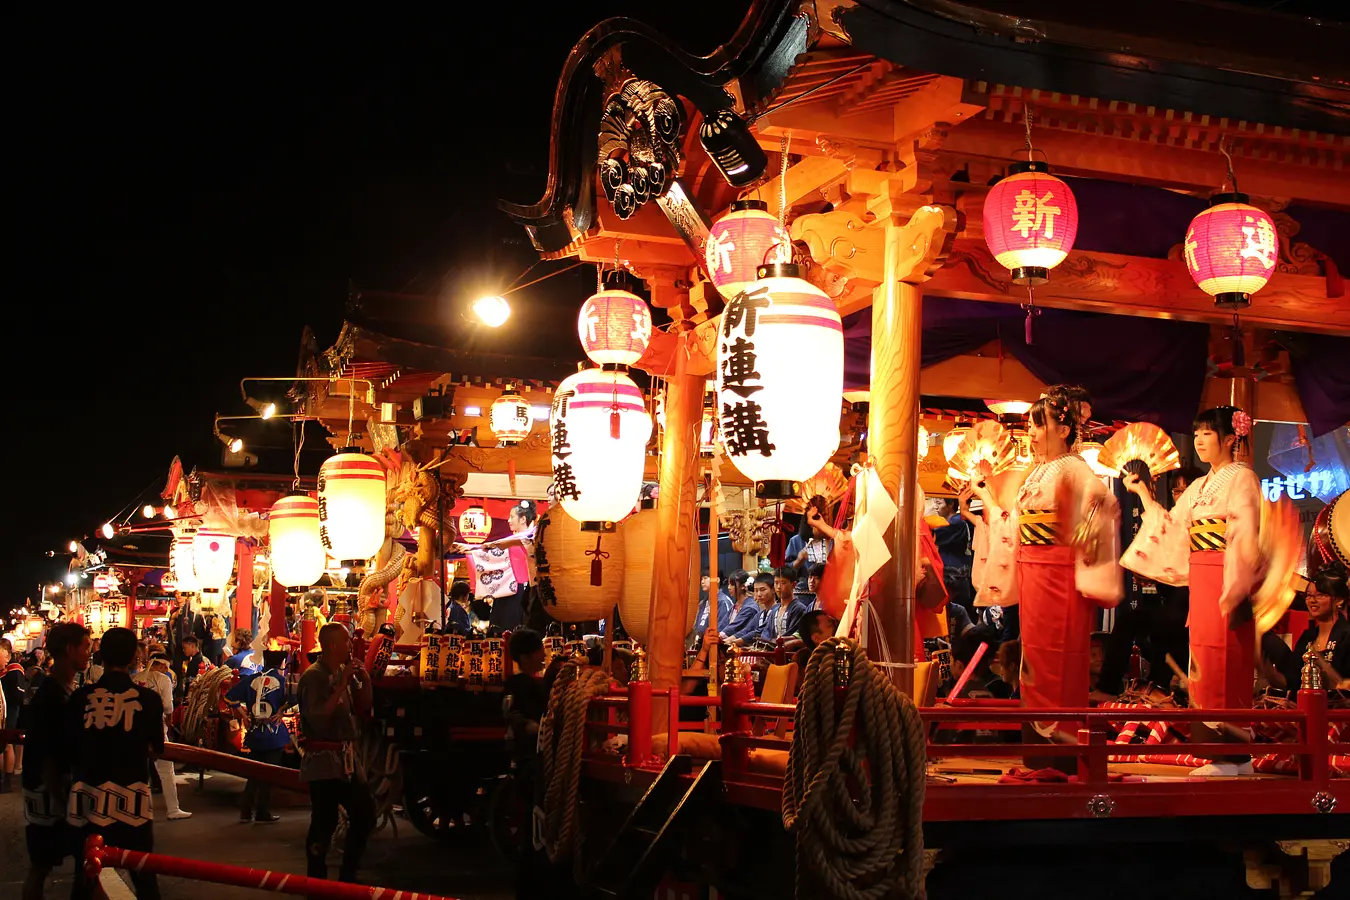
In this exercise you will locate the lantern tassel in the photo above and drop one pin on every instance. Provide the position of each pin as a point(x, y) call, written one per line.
point(597, 573)
point(614, 423)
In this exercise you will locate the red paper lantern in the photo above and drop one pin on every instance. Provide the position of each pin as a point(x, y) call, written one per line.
point(1231, 250)
point(615, 327)
point(740, 242)
point(1030, 222)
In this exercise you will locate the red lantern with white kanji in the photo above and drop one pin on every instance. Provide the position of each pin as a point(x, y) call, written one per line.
point(780, 379)
point(510, 419)
point(615, 327)
point(740, 242)
point(1231, 250)
point(475, 525)
point(600, 428)
point(1030, 222)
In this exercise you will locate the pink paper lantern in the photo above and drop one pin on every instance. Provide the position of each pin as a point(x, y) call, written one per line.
point(740, 242)
point(614, 327)
point(1231, 250)
point(1030, 222)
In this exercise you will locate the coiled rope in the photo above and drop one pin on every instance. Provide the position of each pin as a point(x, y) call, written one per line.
point(855, 800)
point(562, 738)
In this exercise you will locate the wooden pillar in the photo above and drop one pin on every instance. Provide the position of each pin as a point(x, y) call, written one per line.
point(676, 535)
point(243, 592)
point(892, 441)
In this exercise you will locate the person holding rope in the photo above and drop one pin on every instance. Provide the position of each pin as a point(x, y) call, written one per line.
point(332, 693)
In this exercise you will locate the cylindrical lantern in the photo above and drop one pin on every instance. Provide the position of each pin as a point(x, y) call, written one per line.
point(952, 439)
point(1030, 222)
point(639, 544)
point(351, 505)
point(600, 428)
point(475, 525)
point(33, 626)
point(778, 424)
point(569, 552)
point(510, 419)
point(180, 561)
point(923, 442)
point(213, 561)
point(298, 557)
point(1231, 250)
point(167, 583)
point(740, 242)
point(101, 583)
point(614, 327)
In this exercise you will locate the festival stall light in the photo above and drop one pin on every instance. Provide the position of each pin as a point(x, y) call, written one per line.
point(148, 511)
point(298, 557)
point(181, 563)
point(492, 311)
point(600, 427)
point(509, 418)
point(170, 513)
point(73, 547)
point(740, 242)
point(727, 140)
point(924, 442)
point(264, 408)
point(351, 505)
point(1091, 451)
point(774, 424)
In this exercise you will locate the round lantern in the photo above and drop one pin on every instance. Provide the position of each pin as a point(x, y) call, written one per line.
point(33, 625)
point(213, 561)
point(180, 561)
point(297, 553)
point(1231, 250)
point(167, 584)
point(740, 242)
point(102, 584)
point(475, 525)
point(778, 425)
point(569, 552)
point(1030, 222)
point(635, 597)
point(600, 428)
point(351, 505)
point(614, 327)
point(952, 439)
point(510, 419)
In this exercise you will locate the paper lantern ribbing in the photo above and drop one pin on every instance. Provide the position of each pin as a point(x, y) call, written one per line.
point(213, 561)
point(1231, 250)
point(600, 428)
point(780, 426)
point(475, 525)
point(635, 599)
point(351, 505)
point(614, 327)
point(566, 549)
point(1030, 222)
point(180, 561)
point(298, 557)
point(740, 242)
point(510, 419)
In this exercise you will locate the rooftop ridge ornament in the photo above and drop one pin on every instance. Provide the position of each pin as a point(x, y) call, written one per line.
point(639, 153)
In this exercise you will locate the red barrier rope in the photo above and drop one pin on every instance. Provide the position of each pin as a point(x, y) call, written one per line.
point(97, 855)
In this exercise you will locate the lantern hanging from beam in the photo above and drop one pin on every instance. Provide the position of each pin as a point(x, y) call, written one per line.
point(297, 553)
point(510, 419)
point(475, 525)
point(746, 238)
point(101, 583)
point(615, 327)
point(567, 568)
point(600, 428)
point(1231, 250)
point(780, 426)
point(1030, 222)
point(952, 439)
point(351, 505)
point(635, 595)
point(180, 561)
point(213, 562)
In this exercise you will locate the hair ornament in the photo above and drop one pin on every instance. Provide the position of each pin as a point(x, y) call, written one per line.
point(1242, 423)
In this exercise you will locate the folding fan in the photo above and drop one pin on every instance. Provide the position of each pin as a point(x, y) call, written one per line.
point(1143, 441)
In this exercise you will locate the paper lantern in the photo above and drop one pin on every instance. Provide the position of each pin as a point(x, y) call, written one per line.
point(1231, 250)
point(475, 525)
point(102, 584)
point(298, 557)
point(568, 553)
point(351, 505)
point(167, 583)
point(1030, 222)
point(180, 561)
point(740, 242)
point(33, 625)
point(952, 439)
point(510, 419)
point(614, 327)
point(600, 428)
point(635, 598)
point(780, 425)
point(213, 561)
point(924, 442)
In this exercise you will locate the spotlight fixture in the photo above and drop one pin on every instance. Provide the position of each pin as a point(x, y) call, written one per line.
point(148, 511)
point(733, 149)
point(107, 531)
point(265, 409)
point(492, 311)
point(170, 512)
point(73, 547)
point(234, 445)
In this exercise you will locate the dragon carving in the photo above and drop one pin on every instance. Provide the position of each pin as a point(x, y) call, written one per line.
point(417, 496)
point(389, 560)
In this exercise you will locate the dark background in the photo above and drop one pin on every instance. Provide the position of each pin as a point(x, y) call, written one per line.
point(192, 192)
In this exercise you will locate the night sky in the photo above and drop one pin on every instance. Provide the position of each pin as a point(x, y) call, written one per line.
point(192, 193)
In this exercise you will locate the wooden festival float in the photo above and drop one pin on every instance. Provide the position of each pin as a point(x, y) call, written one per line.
point(882, 138)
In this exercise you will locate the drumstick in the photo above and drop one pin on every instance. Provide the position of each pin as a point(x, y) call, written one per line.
point(970, 669)
point(1185, 682)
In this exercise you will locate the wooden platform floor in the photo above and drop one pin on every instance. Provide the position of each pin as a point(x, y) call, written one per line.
point(976, 770)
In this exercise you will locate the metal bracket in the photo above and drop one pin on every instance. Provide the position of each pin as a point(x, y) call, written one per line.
point(1101, 806)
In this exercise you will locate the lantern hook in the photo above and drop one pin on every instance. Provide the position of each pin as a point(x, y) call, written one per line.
point(1027, 118)
point(1227, 152)
point(783, 143)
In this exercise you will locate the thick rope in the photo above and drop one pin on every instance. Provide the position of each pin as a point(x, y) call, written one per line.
point(854, 787)
point(202, 702)
point(562, 740)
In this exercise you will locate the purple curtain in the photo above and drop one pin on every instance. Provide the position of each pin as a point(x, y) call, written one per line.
point(1321, 365)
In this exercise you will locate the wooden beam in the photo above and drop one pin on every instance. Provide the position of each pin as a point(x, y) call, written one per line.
point(803, 179)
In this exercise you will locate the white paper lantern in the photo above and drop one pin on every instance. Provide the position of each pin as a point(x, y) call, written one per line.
point(780, 379)
point(510, 419)
point(184, 574)
point(297, 553)
point(351, 505)
point(615, 327)
point(213, 561)
point(600, 427)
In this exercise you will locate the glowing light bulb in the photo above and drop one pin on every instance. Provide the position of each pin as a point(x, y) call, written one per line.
point(492, 311)
point(106, 531)
point(268, 411)
point(148, 511)
point(74, 547)
point(236, 445)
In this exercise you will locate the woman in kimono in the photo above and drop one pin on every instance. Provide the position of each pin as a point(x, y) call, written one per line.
point(1209, 541)
point(1055, 554)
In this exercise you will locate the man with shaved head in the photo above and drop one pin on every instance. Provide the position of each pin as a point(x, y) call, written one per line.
point(333, 693)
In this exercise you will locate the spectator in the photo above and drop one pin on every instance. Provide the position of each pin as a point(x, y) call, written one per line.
point(113, 729)
point(194, 663)
point(725, 609)
point(332, 693)
point(14, 685)
point(1328, 633)
point(812, 544)
point(1008, 667)
point(1096, 661)
point(814, 628)
point(461, 620)
point(744, 614)
point(954, 546)
point(46, 785)
point(259, 698)
point(156, 677)
point(525, 701)
point(787, 612)
point(806, 591)
point(763, 627)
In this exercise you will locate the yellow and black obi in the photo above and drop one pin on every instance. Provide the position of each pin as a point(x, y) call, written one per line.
point(1037, 527)
point(1209, 534)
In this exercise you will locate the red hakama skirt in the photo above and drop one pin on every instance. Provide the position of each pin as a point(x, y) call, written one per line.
point(1057, 624)
point(1222, 665)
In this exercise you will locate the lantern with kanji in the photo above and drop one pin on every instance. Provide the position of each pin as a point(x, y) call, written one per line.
point(180, 562)
point(1030, 222)
point(780, 377)
point(600, 427)
point(102, 584)
point(298, 557)
point(475, 525)
point(614, 327)
point(213, 561)
point(351, 505)
point(746, 238)
point(510, 419)
point(1231, 250)
point(167, 583)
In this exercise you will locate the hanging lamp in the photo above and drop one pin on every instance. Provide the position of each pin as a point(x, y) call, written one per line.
point(213, 562)
point(600, 428)
point(615, 327)
point(510, 419)
point(351, 505)
point(297, 553)
point(740, 242)
point(475, 525)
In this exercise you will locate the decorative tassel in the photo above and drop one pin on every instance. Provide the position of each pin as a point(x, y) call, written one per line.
point(597, 574)
point(1027, 329)
point(614, 423)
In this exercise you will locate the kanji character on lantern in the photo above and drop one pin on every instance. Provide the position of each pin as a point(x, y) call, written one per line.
point(1034, 214)
point(1030, 222)
point(600, 428)
point(746, 238)
point(1231, 250)
point(615, 327)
